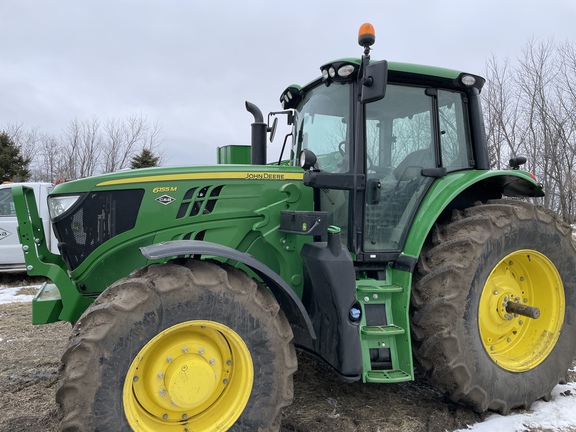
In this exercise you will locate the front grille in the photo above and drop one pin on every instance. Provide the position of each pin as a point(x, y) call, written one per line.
point(99, 217)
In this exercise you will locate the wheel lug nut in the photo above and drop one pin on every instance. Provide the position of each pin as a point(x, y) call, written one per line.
point(212, 361)
point(508, 340)
point(492, 348)
point(135, 378)
point(162, 392)
point(229, 362)
point(495, 292)
point(185, 350)
point(508, 317)
point(520, 322)
point(201, 351)
point(225, 381)
point(160, 375)
point(168, 359)
point(165, 416)
point(184, 416)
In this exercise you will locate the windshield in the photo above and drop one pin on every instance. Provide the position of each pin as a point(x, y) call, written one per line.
point(322, 126)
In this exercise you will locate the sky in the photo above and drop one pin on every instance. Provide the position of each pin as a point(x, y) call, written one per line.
point(191, 64)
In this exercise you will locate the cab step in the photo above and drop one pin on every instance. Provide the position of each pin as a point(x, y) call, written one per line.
point(387, 376)
point(370, 286)
point(384, 332)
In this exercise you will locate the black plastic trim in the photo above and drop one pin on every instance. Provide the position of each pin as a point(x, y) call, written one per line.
point(317, 179)
point(405, 263)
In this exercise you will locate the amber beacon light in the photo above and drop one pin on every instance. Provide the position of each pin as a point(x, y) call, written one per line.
point(366, 35)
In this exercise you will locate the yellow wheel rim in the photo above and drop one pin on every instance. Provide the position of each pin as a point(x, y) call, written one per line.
point(515, 342)
point(194, 376)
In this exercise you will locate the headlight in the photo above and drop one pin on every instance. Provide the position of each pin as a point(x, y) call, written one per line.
point(339, 71)
point(307, 159)
point(346, 70)
point(468, 80)
point(61, 204)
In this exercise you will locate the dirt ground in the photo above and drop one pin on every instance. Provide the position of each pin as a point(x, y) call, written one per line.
point(30, 356)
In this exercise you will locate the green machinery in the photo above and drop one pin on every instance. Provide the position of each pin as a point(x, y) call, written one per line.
point(381, 240)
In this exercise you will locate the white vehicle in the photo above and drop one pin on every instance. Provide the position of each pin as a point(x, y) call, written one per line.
point(11, 255)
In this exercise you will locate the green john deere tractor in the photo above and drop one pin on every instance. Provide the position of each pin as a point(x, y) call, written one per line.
point(382, 238)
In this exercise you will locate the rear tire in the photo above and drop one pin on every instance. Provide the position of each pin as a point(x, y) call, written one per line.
point(198, 346)
point(465, 341)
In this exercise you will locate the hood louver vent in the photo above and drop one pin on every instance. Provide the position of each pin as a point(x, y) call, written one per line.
point(199, 201)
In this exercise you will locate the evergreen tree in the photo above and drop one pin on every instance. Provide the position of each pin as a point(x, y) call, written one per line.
point(13, 166)
point(145, 159)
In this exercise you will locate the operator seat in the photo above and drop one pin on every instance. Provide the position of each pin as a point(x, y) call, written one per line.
point(412, 164)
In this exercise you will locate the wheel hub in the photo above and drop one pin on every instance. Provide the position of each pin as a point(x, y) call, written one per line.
point(199, 371)
point(513, 333)
point(190, 381)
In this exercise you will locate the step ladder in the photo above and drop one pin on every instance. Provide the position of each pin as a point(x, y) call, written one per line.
point(384, 325)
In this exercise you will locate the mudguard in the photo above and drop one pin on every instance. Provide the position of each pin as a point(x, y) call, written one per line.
point(286, 297)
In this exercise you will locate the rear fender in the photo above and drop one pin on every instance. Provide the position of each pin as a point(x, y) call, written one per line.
point(286, 297)
point(468, 186)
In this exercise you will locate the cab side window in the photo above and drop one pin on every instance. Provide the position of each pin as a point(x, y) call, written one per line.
point(455, 145)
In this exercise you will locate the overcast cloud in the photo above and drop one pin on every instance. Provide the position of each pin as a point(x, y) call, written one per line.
point(191, 64)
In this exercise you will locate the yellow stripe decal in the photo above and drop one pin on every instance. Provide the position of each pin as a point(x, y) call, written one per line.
point(244, 175)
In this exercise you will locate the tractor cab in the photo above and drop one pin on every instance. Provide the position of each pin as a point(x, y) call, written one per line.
point(373, 136)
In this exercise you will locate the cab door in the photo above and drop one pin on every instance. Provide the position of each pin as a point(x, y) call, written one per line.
point(413, 135)
point(399, 145)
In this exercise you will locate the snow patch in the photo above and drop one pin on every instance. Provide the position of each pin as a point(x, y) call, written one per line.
point(557, 415)
point(10, 294)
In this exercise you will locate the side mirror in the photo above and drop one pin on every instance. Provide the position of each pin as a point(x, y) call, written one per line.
point(272, 129)
point(515, 162)
point(374, 81)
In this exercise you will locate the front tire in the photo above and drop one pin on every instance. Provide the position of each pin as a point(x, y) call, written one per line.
point(466, 341)
point(198, 347)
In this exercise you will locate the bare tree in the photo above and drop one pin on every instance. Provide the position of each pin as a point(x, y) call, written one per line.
point(50, 164)
point(530, 111)
point(81, 144)
point(153, 142)
point(27, 140)
point(502, 114)
point(90, 147)
point(124, 139)
point(86, 147)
